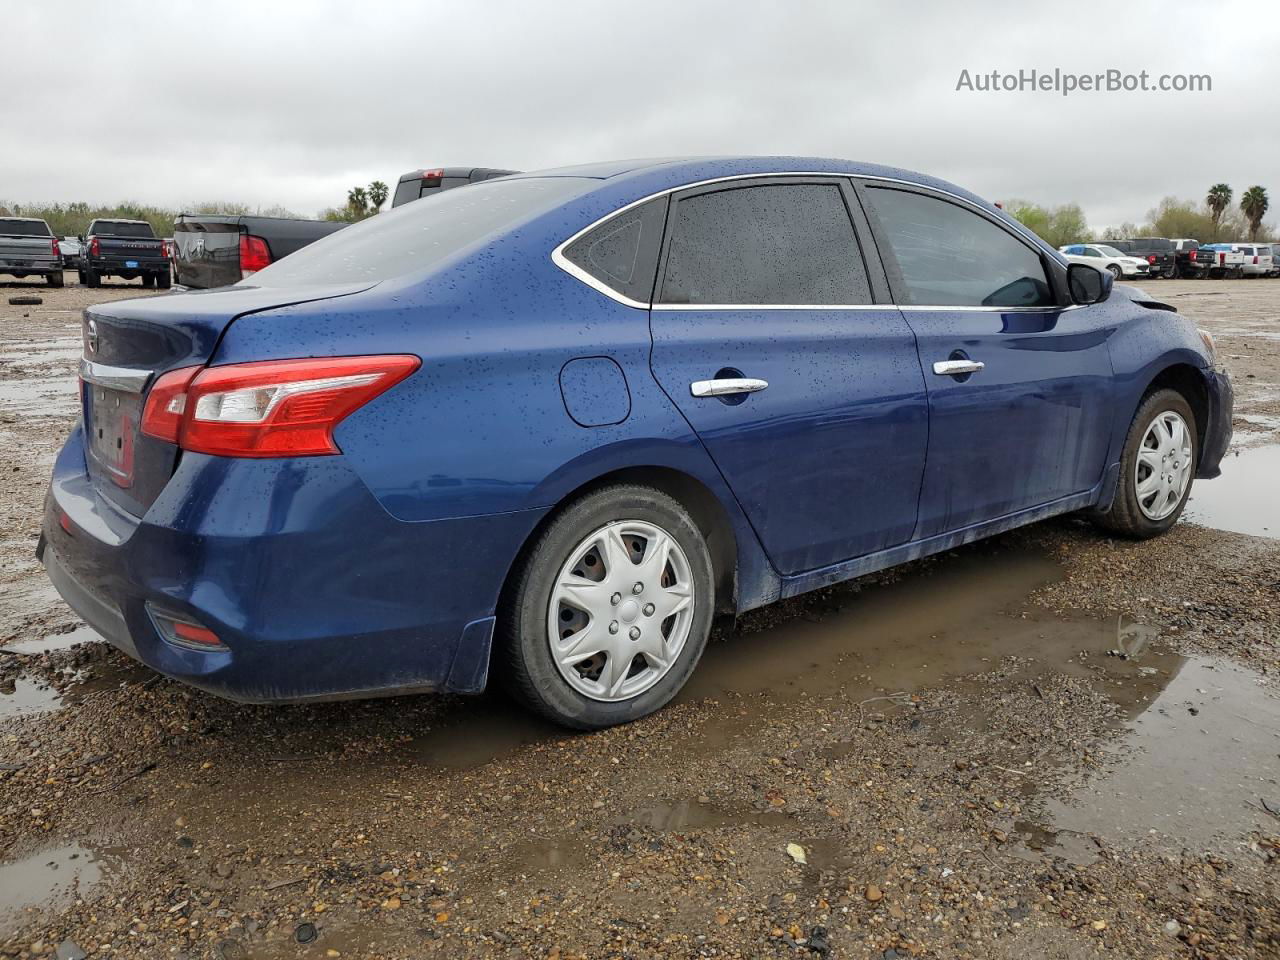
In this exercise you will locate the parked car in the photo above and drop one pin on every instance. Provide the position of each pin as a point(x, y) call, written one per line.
point(543, 429)
point(215, 250)
point(1257, 260)
point(28, 248)
point(1157, 251)
point(69, 248)
point(423, 183)
point(1105, 258)
point(1228, 260)
point(123, 248)
point(1185, 250)
point(1271, 250)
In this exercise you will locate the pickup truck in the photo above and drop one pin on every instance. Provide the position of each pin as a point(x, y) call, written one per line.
point(1227, 260)
point(123, 248)
point(214, 250)
point(422, 183)
point(1157, 251)
point(29, 248)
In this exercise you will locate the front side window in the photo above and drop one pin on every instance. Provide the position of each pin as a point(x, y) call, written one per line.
point(622, 252)
point(950, 256)
point(786, 244)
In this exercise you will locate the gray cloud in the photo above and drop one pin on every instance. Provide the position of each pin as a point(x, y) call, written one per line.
point(291, 103)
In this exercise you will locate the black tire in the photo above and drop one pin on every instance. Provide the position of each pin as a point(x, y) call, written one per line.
point(91, 278)
point(163, 280)
point(1115, 271)
point(148, 279)
point(80, 277)
point(1170, 272)
point(1125, 515)
point(522, 652)
point(55, 279)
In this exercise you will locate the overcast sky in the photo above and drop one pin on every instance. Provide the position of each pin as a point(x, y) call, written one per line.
point(291, 103)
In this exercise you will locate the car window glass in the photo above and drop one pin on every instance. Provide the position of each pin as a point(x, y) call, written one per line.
point(771, 244)
point(622, 252)
point(24, 228)
point(950, 256)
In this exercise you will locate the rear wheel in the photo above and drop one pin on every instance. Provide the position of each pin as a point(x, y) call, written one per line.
point(164, 280)
point(611, 610)
point(1156, 468)
point(91, 278)
point(55, 279)
point(148, 279)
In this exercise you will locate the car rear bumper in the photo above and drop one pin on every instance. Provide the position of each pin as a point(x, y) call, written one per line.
point(1217, 438)
point(315, 591)
point(112, 265)
point(31, 265)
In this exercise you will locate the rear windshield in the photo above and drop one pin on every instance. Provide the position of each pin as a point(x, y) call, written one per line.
point(106, 228)
point(1154, 243)
point(24, 228)
point(421, 234)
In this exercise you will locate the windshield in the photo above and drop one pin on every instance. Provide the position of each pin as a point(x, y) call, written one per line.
point(1106, 251)
point(108, 228)
point(24, 228)
point(421, 234)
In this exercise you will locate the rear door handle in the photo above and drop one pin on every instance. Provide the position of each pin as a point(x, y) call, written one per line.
point(726, 387)
point(950, 368)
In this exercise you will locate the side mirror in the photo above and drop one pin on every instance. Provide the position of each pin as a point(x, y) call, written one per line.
point(1089, 284)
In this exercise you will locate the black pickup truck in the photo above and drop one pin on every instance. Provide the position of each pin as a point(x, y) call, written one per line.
point(214, 250)
point(29, 248)
point(422, 183)
point(126, 249)
point(1157, 251)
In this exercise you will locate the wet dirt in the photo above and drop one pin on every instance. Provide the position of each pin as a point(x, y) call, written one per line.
point(971, 751)
point(1246, 498)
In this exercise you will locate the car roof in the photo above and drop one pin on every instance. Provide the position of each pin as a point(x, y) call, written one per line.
point(26, 219)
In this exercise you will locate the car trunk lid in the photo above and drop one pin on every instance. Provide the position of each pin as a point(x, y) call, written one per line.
point(127, 345)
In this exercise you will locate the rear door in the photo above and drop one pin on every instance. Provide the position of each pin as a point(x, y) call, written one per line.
point(801, 381)
point(1020, 390)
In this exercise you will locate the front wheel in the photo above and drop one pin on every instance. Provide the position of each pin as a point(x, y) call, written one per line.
point(611, 610)
point(1115, 270)
point(1156, 468)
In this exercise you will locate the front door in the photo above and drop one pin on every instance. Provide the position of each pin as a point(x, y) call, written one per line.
point(1020, 386)
point(807, 395)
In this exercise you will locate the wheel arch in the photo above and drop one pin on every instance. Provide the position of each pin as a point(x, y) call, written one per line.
point(1188, 381)
point(693, 494)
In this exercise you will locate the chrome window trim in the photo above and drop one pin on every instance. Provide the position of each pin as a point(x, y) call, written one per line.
point(906, 308)
point(561, 261)
point(128, 379)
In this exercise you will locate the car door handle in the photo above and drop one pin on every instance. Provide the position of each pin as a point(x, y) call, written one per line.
point(726, 387)
point(950, 368)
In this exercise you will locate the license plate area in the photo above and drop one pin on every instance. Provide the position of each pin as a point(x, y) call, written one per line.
point(112, 416)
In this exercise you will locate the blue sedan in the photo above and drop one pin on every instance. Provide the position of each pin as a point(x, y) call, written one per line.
point(546, 427)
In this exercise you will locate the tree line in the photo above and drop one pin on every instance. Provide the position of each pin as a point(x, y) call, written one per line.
point(1213, 220)
point(71, 219)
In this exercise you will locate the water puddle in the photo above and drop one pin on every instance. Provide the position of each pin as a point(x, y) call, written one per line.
point(22, 696)
point(53, 876)
point(1243, 499)
point(1193, 770)
point(481, 730)
point(54, 641)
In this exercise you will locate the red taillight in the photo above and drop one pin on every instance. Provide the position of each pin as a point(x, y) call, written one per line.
point(166, 248)
point(57, 250)
point(1151, 258)
point(254, 254)
point(94, 248)
point(276, 408)
point(432, 174)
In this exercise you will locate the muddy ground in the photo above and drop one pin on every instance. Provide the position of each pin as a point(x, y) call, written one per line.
point(1050, 744)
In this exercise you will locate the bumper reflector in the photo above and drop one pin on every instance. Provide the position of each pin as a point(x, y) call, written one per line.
point(184, 632)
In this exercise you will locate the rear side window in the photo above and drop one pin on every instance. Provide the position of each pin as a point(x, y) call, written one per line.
point(622, 252)
point(24, 228)
point(949, 256)
point(106, 228)
point(789, 244)
point(416, 236)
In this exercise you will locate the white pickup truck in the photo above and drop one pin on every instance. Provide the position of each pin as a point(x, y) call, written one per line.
point(29, 248)
point(1228, 260)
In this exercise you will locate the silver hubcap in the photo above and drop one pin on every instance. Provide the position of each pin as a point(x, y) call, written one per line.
point(1163, 471)
point(621, 610)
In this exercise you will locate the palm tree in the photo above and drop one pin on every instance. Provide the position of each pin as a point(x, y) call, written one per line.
point(1254, 204)
point(358, 201)
point(1218, 199)
point(377, 195)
